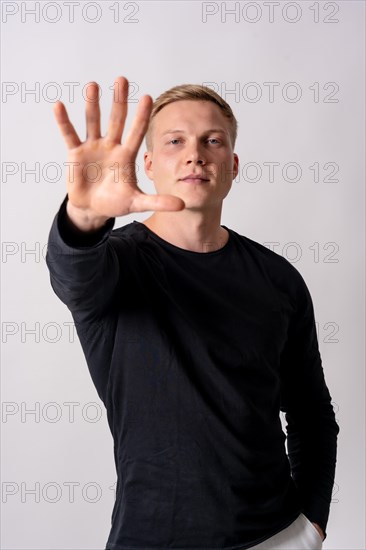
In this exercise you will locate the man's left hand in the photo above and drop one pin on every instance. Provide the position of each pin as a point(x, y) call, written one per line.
point(319, 529)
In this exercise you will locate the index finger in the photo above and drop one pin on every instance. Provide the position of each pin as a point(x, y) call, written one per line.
point(140, 124)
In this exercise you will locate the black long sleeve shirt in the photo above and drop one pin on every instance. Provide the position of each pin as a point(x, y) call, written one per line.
point(194, 356)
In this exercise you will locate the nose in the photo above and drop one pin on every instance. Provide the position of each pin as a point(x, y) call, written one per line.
point(198, 161)
point(195, 155)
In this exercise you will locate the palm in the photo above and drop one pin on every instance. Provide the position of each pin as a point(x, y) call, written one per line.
point(101, 175)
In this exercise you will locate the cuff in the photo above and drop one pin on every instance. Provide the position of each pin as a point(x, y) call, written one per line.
point(76, 238)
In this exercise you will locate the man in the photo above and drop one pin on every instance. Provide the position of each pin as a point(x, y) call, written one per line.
point(195, 337)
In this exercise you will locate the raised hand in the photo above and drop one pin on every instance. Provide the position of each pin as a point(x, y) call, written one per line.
point(101, 181)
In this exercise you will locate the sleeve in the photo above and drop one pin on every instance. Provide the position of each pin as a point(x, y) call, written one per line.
point(85, 275)
point(84, 267)
point(305, 399)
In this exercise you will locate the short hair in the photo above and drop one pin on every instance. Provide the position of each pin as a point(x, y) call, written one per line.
point(193, 92)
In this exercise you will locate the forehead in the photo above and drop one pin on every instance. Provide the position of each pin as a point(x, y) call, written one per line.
point(187, 115)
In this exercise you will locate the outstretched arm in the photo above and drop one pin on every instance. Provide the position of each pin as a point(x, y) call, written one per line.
point(101, 184)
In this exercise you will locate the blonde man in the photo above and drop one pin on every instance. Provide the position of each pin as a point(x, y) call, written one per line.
point(196, 337)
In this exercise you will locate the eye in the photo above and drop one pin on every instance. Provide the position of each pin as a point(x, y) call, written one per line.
point(174, 141)
point(214, 140)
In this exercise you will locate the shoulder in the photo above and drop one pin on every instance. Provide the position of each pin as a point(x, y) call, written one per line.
point(278, 269)
point(262, 252)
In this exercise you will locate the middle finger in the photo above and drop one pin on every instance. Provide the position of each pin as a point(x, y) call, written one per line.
point(119, 110)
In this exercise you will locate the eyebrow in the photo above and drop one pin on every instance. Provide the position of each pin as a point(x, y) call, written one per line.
point(217, 130)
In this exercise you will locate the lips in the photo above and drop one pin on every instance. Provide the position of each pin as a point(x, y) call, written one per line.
point(194, 178)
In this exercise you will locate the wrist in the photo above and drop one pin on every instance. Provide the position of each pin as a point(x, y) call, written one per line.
point(83, 219)
point(319, 529)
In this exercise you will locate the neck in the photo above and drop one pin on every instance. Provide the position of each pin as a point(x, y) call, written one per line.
point(188, 229)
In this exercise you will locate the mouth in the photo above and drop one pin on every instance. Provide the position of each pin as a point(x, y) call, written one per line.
point(192, 178)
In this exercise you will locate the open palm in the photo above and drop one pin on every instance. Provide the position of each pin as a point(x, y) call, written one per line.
point(101, 181)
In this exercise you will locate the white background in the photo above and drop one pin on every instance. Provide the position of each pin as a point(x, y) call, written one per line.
point(318, 225)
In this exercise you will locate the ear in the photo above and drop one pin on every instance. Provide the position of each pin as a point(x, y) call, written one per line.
point(235, 165)
point(148, 164)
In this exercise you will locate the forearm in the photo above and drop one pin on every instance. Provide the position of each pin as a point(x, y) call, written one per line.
point(84, 267)
point(312, 449)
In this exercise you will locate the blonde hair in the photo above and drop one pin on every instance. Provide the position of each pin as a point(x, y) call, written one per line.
point(193, 92)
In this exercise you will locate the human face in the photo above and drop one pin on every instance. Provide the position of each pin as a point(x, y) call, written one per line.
point(192, 138)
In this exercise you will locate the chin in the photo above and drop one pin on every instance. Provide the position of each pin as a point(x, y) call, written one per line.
point(197, 207)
